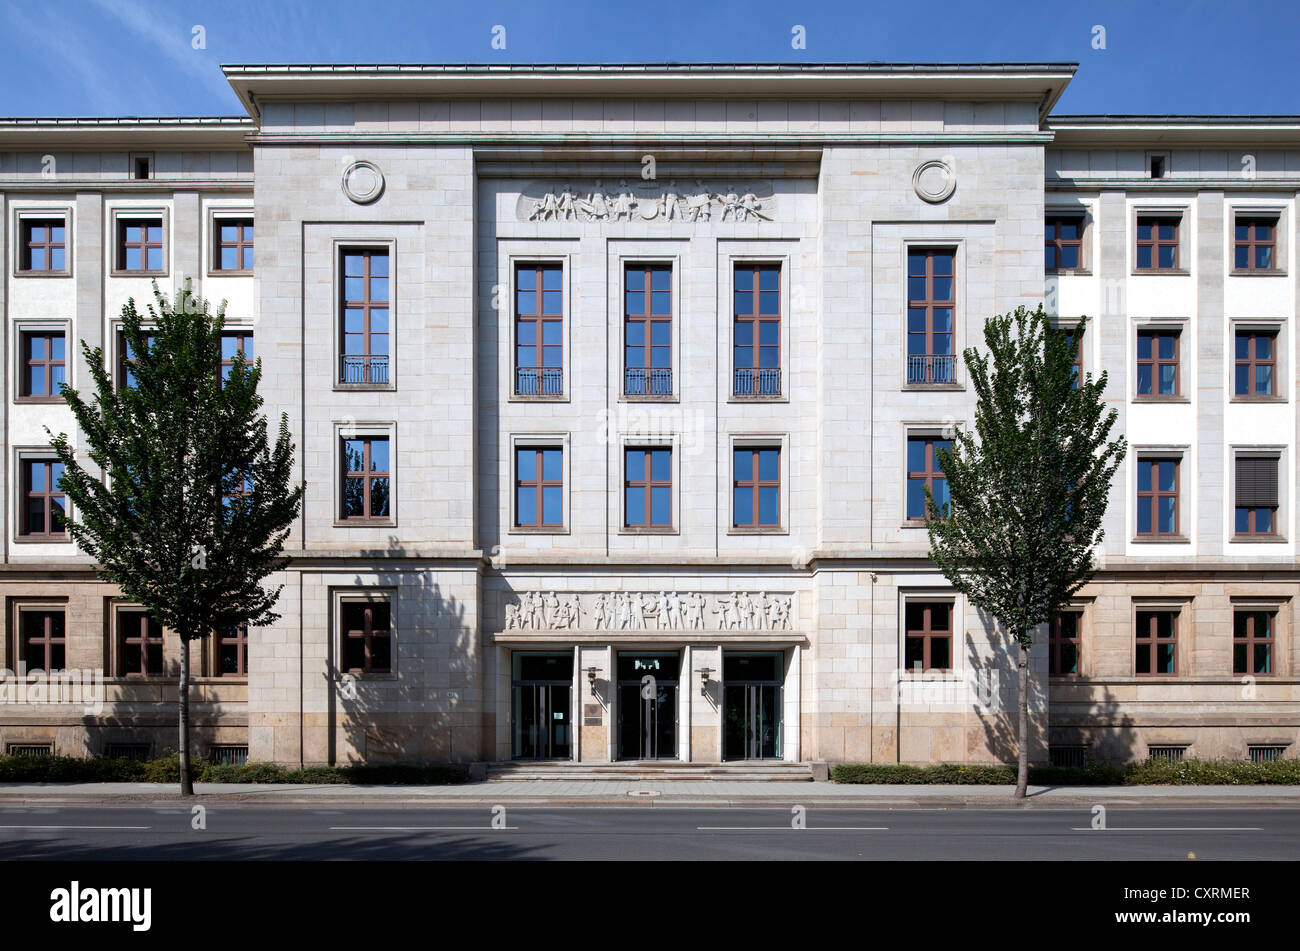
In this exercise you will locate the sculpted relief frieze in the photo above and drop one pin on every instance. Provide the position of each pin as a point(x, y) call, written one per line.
point(649, 611)
point(647, 201)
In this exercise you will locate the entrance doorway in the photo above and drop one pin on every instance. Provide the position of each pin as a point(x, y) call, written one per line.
point(542, 690)
point(647, 705)
point(751, 687)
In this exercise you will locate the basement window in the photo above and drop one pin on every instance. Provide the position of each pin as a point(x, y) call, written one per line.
point(1170, 754)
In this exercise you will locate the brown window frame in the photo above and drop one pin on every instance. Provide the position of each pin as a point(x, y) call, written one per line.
point(47, 640)
point(545, 380)
point(540, 484)
point(1057, 640)
point(27, 244)
point(1151, 640)
point(931, 372)
point(370, 363)
point(754, 483)
point(238, 638)
point(28, 363)
point(647, 379)
point(1155, 362)
point(244, 336)
point(366, 477)
point(759, 381)
point(368, 633)
point(647, 485)
point(1251, 362)
point(1155, 242)
point(48, 495)
point(124, 363)
point(239, 244)
point(1252, 510)
point(1252, 640)
point(1154, 494)
point(1055, 220)
point(144, 244)
point(1251, 242)
point(145, 638)
point(928, 476)
point(928, 634)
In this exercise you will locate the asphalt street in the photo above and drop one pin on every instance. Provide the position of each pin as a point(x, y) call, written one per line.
point(514, 833)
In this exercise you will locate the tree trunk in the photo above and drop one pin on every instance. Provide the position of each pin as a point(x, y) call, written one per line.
point(1022, 769)
point(187, 787)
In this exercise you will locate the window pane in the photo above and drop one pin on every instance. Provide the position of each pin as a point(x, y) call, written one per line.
point(379, 497)
point(769, 279)
point(526, 505)
point(1144, 379)
point(744, 279)
point(635, 465)
point(742, 506)
point(1167, 253)
point(1263, 258)
point(916, 498)
point(1241, 258)
point(1164, 658)
point(661, 465)
point(939, 651)
point(1069, 257)
point(1168, 378)
point(1167, 346)
point(552, 464)
point(769, 505)
point(1144, 256)
point(943, 288)
point(1263, 658)
point(769, 465)
point(1263, 380)
point(1165, 509)
point(634, 505)
point(379, 455)
point(661, 505)
point(1168, 475)
point(526, 465)
point(552, 505)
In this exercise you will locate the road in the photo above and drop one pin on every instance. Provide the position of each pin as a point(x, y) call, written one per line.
point(266, 832)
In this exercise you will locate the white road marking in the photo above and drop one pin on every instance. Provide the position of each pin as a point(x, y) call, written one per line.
point(791, 829)
point(419, 828)
point(1171, 829)
point(134, 828)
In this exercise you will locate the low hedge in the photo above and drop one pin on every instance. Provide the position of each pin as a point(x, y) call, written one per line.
point(1190, 772)
point(166, 769)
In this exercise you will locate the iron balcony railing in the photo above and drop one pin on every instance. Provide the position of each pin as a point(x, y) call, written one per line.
point(752, 381)
point(648, 381)
point(539, 381)
point(364, 368)
point(931, 368)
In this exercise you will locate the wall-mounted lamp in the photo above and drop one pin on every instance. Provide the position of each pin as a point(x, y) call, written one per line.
point(704, 678)
point(591, 678)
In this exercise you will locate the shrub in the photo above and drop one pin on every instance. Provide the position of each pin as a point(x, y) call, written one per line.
point(1149, 773)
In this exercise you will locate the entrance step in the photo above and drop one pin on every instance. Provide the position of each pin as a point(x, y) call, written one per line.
point(631, 771)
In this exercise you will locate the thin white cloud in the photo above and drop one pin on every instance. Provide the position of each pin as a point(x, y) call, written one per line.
point(99, 85)
point(172, 40)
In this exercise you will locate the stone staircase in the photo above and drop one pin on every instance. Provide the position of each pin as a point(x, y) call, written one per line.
point(652, 770)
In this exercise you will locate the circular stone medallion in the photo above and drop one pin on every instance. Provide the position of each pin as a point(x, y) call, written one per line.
point(934, 181)
point(363, 182)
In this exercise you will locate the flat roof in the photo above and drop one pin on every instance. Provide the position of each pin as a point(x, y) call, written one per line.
point(92, 132)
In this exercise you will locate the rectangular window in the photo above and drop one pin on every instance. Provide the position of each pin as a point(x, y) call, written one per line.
point(126, 357)
point(1076, 756)
point(140, 245)
point(648, 487)
point(1256, 363)
point(923, 471)
point(42, 638)
point(539, 330)
point(1157, 497)
point(44, 505)
point(539, 487)
point(44, 363)
point(366, 476)
point(1064, 645)
point(1256, 502)
point(232, 652)
point(1157, 363)
point(140, 644)
point(1064, 243)
point(365, 302)
point(1252, 642)
point(233, 342)
point(756, 487)
point(1266, 754)
point(234, 245)
point(43, 244)
point(1169, 754)
point(1255, 244)
point(367, 637)
point(1156, 637)
point(756, 330)
point(1157, 242)
point(648, 330)
point(929, 635)
point(931, 304)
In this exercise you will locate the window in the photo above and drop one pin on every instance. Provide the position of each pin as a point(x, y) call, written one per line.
point(140, 245)
point(1252, 642)
point(142, 166)
point(1064, 645)
point(232, 652)
point(44, 364)
point(233, 342)
point(228, 754)
point(1266, 754)
point(923, 471)
point(367, 637)
point(43, 245)
point(539, 330)
point(1256, 362)
point(1158, 163)
point(756, 330)
point(44, 505)
point(648, 487)
point(237, 485)
point(233, 249)
point(931, 303)
point(929, 635)
point(1156, 636)
point(1256, 502)
point(1076, 756)
point(1168, 754)
point(366, 477)
point(1157, 363)
point(133, 751)
point(756, 487)
point(539, 487)
point(29, 749)
point(1077, 365)
point(1064, 242)
point(1157, 497)
point(366, 299)
point(647, 330)
point(140, 644)
point(42, 638)
point(127, 357)
point(1157, 243)
point(1255, 244)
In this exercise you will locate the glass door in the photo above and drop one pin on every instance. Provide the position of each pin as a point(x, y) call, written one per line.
point(752, 720)
point(541, 698)
point(647, 705)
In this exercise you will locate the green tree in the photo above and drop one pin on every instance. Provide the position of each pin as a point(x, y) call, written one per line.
point(1028, 488)
point(188, 504)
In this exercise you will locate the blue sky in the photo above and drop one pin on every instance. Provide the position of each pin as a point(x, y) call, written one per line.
point(137, 57)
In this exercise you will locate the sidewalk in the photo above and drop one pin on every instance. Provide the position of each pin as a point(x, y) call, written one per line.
point(720, 793)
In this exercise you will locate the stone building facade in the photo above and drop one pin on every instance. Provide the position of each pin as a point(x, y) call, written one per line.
point(613, 389)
